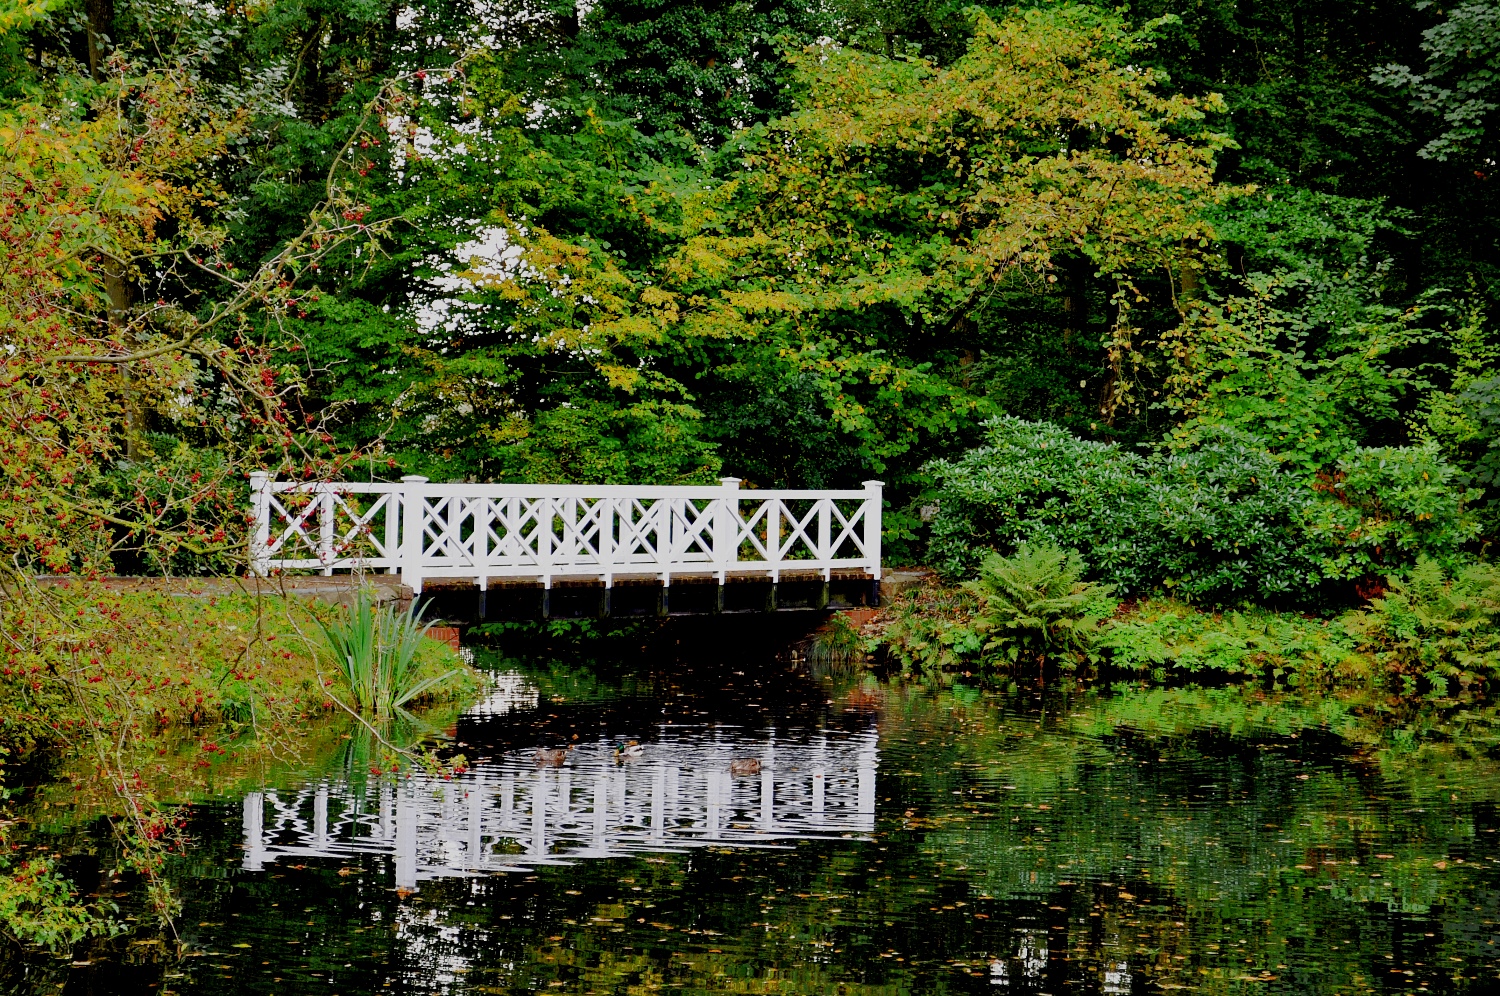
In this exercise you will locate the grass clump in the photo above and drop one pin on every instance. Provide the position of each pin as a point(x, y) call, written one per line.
point(378, 652)
point(837, 643)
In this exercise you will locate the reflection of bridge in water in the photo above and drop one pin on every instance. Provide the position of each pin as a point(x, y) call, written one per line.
point(513, 815)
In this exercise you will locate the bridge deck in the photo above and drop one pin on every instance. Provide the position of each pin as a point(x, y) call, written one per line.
point(576, 596)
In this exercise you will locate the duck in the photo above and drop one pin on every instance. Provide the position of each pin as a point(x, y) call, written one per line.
point(552, 757)
point(631, 749)
point(744, 766)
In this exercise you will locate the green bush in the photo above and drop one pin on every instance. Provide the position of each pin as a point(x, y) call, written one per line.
point(1221, 523)
point(1036, 606)
point(1436, 625)
point(1385, 507)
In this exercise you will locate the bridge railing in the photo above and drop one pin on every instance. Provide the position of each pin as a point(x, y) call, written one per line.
point(424, 530)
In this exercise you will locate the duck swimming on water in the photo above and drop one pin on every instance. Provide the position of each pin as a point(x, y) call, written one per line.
point(744, 766)
point(631, 749)
point(552, 757)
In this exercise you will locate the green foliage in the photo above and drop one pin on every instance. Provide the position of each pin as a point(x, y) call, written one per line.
point(1438, 626)
point(1436, 629)
point(1481, 404)
point(378, 652)
point(1384, 508)
point(1334, 246)
point(1312, 386)
point(1297, 345)
point(1219, 523)
point(736, 281)
point(1169, 640)
point(930, 630)
point(1036, 607)
point(39, 906)
point(1461, 86)
point(190, 503)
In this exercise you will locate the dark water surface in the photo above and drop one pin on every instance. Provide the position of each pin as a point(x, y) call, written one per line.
point(786, 831)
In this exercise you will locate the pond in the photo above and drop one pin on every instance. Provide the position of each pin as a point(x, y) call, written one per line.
point(786, 829)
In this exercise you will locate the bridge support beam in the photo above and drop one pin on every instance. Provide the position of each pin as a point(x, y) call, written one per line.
point(635, 598)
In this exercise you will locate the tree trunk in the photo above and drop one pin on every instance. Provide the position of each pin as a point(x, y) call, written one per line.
point(1075, 296)
point(117, 286)
point(101, 14)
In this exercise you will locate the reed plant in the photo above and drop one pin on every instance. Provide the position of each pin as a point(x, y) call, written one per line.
point(375, 648)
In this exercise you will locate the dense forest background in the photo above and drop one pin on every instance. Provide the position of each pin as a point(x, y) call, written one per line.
point(1252, 245)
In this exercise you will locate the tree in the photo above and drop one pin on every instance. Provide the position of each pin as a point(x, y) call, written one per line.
point(1461, 86)
point(848, 242)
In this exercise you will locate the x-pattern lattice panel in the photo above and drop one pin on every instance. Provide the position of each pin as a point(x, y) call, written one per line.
point(331, 529)
point(482, 531)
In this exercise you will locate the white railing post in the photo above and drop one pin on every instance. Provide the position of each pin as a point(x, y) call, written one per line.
point(392, 545)
point(605, 513)
point(481, 511)
point(326, 509)
point(260, 528)
point(773, 538)
point(661, 509)
point(825, 536)
point(726, 527)
point(544, 540)
point(873, 506)
point(412, 500)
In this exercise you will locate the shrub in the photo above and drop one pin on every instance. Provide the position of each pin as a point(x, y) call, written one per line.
point(1220, 523)
point(1386, 507)
point(39, 906)
point(1036, 605)
point(1436, 625)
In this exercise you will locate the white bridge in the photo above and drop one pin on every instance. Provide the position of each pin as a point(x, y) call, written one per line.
point(543, 532)
point(515, 815)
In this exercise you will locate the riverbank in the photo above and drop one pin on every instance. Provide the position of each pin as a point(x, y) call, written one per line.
point(1432, 632)
point(87, 657)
